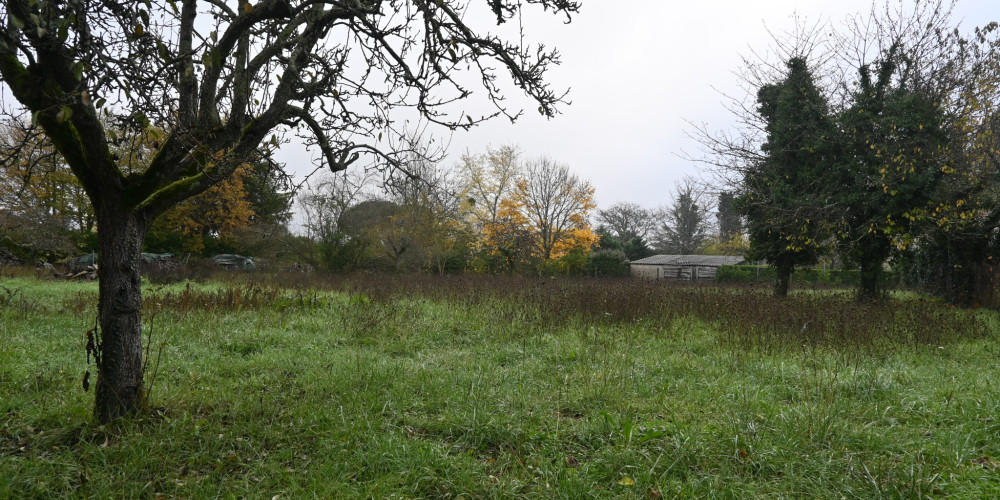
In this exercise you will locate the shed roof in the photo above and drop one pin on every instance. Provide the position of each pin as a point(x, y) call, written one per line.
point(690, 260)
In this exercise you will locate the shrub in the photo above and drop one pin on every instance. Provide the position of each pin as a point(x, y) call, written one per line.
point(607, 263)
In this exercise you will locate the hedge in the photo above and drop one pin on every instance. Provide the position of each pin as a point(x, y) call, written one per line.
point(768, 274)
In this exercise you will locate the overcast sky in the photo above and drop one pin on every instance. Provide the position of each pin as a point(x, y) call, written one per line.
point(638, 70)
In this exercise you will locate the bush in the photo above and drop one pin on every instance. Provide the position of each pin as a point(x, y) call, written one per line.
point(607, 263)
point(745, 274)
point(574, 263)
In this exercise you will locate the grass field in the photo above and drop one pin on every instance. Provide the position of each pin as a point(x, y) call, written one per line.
point(505, 388)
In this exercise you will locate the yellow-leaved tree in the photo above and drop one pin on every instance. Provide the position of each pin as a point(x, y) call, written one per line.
point(487, 179)
point(218, 213)
point(506, 238)
point(554, 205)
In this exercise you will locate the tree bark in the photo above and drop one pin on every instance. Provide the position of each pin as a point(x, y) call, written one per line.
point(119, 388)
point(871, 271)
point(784, 272)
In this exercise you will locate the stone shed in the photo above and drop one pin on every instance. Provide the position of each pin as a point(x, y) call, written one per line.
point(682, 267)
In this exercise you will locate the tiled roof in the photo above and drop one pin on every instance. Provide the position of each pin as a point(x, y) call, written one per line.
point(690, 260)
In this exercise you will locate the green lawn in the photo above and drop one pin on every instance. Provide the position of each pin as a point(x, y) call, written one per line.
point(477, 388)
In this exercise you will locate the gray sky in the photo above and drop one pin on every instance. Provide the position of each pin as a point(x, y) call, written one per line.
point(637, 70)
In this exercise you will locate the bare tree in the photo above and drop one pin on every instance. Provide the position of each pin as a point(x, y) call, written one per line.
point(424, 182)
point(433, 211)
point(323, 202)
point(556, 205)
point(627, 221)
point(487, 179)
point(212, 85)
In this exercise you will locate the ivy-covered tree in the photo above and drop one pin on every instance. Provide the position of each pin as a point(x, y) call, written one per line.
point(957, 244)
point(898, 78)
point(783, 194)
point(210, 86)
point(894, 156)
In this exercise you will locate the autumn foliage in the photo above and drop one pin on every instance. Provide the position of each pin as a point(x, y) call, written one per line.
point(43, 208)
point(219, 212)
point(544, 217)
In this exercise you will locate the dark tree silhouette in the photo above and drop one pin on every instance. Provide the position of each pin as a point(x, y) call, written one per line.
point(895, 143)
point(909, 97)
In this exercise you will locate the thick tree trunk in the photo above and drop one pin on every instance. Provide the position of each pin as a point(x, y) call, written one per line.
point(784, 272)
point(868, 288)
point(119, 386)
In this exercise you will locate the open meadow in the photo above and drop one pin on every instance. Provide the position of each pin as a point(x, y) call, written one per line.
point(474, 387)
